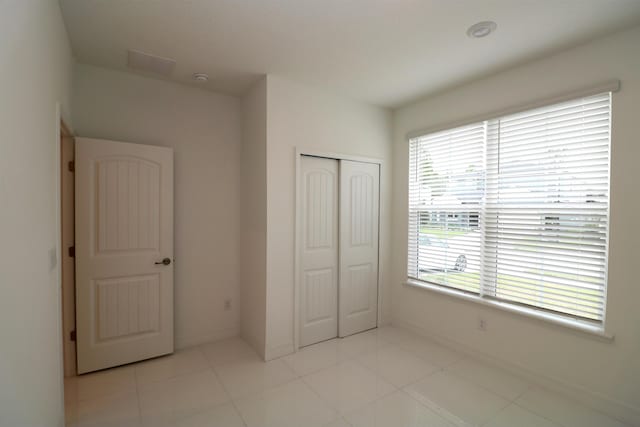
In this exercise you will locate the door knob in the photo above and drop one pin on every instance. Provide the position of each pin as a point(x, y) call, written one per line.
point(165, 261)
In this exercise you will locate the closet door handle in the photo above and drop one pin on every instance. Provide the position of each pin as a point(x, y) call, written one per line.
point(165, 261)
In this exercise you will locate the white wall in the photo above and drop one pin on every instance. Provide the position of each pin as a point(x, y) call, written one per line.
point(607, 370)
point(35, 74)
point(308, 118)
point(204, 130)
point(253, 215)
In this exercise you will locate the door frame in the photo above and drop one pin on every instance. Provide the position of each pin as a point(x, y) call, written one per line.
point(66, 306)
point(299, 152)
point(62, 127)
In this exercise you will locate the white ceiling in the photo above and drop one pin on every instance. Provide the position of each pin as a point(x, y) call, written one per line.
point(386, 52)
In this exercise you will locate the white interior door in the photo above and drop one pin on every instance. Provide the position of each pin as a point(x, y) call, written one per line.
point(319, 251)
point(124, 231)
point(359, 207)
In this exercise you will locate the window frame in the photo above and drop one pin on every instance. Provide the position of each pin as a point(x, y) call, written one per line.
point(592, 326)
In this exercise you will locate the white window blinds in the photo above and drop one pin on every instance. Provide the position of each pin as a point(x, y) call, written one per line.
point(516, 208)
point(446, 189)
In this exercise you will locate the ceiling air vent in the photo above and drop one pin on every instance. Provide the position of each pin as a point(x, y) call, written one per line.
point(150, 63)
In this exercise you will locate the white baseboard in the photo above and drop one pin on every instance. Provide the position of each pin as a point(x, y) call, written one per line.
point(217, 335)
point(256, 344)
point(279, 351)
point(616, 409)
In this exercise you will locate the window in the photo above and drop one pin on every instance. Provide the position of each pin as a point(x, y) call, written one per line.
point(515, 209)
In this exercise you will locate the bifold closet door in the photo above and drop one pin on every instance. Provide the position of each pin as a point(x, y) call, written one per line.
point(358, 281)
point(319, 250)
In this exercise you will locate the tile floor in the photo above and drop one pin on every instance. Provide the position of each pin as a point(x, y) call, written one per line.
point(385, 377)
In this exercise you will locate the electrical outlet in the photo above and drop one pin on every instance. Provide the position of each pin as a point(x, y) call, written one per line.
point(227, 304)
point(482, 324)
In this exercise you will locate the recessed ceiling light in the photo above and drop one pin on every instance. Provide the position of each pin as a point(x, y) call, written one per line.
point(481, 29)
point(200, 77)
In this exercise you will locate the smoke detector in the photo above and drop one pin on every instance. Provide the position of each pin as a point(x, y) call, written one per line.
point(200, 77)
point(150, 63)
point(481, 29)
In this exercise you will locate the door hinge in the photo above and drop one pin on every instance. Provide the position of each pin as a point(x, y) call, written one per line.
point(72, 335)
point(72, 166)
point(72, 251)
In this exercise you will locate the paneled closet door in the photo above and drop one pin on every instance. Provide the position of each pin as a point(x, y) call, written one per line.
point(319, 251)
point(359, 210)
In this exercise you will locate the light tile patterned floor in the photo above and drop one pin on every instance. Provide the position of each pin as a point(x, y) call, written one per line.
point(382, 378)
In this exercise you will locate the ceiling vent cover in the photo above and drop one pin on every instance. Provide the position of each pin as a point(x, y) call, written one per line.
point(150, 63)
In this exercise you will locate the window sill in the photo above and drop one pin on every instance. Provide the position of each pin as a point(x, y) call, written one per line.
point(574, 324)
